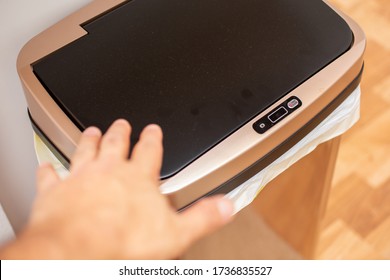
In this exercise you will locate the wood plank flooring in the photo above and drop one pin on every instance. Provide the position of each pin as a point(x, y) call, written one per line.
point(357, 221)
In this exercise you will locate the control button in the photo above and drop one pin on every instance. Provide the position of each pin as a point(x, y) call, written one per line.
point(292, 103)
point(278, 114)
point(262, 125)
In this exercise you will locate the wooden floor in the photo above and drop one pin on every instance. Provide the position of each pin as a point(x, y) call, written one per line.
point(357, 222)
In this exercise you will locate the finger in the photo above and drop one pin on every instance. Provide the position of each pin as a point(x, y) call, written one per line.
point(148, 151)
point(87, 148)
point(116, 141)
point(46, 177)
point(205, 217)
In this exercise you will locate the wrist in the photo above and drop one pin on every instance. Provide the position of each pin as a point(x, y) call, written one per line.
point(32, 244)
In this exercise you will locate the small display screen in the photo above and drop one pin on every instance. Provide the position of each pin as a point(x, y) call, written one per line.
point(278, 114)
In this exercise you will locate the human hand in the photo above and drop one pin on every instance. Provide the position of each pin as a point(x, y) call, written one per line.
point(110, 206)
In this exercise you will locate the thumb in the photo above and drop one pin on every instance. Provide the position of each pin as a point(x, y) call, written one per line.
point(205, 217)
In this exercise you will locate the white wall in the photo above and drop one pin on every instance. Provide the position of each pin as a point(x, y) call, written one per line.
point(20, 20)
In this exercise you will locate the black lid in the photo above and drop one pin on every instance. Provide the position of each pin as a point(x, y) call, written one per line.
point(199, 68)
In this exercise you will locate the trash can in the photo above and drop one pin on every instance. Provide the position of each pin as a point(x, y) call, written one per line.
point(234, 85)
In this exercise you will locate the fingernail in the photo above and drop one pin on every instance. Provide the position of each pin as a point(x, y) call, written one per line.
point(121, 121)
point(92, 131)
point(153, 127)
point(226, 208)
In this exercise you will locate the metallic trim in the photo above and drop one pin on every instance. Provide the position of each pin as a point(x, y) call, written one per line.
point(231, 156)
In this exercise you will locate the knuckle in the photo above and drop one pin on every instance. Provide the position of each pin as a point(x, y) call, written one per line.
point(114, 138)
point(81, 153)
point(150, 144)
point(88, 139)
